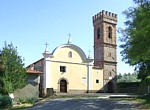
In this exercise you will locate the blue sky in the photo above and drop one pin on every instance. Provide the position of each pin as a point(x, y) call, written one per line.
point(28, 24)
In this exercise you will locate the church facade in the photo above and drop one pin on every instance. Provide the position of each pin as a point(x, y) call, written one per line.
point(68, 70)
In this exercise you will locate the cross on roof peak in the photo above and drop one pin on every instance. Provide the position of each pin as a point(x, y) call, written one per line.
point(46, 50)
point(69, 40)
point(46, 44)
point(89, 54)
point(69, 34)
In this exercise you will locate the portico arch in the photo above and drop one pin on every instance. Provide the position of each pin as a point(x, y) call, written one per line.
point(63, 85)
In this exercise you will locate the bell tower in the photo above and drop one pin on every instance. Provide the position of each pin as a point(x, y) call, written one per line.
point(105, 48)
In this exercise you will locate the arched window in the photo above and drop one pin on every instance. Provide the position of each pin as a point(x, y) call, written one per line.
point(109, 54)
point(110, 73)
point(98, 33)
point(70, 54)
point(109, 32)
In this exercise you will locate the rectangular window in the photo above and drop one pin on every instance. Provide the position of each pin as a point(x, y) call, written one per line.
point(97, 80)
point(109, 54)
point(83, 80)
point(62, 68)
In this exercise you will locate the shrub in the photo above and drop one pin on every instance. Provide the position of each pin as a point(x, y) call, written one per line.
point(127, 87)
point(5, 101)
point(143, 89)
point(26, 100)
point(31, 100)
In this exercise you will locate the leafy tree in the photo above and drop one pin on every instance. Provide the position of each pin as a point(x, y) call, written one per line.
point(136, 37)
point(128, 77)
point(119, 76)
point(12, 72)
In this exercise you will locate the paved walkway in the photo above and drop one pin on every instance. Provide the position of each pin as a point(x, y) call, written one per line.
point(87, 102)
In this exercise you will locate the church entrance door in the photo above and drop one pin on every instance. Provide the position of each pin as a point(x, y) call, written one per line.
point(63, 86)
point(110, 87)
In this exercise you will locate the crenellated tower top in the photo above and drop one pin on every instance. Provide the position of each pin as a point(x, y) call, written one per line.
point(105, 16)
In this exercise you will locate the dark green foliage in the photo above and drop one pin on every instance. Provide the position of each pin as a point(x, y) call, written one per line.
point(128, 77)
point(12, 72)
point(5, 102)
point(128, 84)
point(146, 81)
point(127, 87)
point(136, 37)
point(146, 100)
point(144, 85)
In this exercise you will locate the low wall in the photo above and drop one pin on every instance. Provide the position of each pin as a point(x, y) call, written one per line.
point(29, 91)
point(127, 87)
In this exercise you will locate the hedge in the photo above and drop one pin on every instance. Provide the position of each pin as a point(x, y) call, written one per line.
point(5, 101)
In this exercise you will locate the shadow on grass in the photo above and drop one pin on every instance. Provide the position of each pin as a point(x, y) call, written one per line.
point(146, 101)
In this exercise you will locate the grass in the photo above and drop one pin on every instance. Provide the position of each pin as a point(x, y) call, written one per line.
point(145, 100)
point(22, 106)
point(23, 103)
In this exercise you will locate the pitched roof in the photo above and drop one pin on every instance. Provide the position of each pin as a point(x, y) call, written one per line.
point(35, 62)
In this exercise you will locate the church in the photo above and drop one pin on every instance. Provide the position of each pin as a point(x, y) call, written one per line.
point(68, 70)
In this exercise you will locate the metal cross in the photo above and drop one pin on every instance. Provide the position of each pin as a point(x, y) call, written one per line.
point(89, 52)
point(69, 34)
point(46, 44)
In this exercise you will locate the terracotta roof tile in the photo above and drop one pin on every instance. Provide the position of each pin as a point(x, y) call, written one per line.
point(34, 71)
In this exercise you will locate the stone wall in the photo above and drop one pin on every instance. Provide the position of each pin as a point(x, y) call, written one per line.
point(28, 91)
point(31, 90)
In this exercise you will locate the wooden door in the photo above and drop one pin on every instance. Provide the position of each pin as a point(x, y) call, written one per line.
point(63, 86)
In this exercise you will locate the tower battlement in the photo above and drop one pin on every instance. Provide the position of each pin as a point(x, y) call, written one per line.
point(105, 16)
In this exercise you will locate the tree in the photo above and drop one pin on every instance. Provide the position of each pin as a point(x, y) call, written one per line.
point(12, 72)
point(127, 77)
point(136, 37)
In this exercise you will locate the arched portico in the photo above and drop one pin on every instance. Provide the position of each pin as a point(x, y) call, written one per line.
point(63, 85)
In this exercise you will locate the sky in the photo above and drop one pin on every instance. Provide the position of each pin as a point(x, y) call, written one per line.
point(29, 24)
